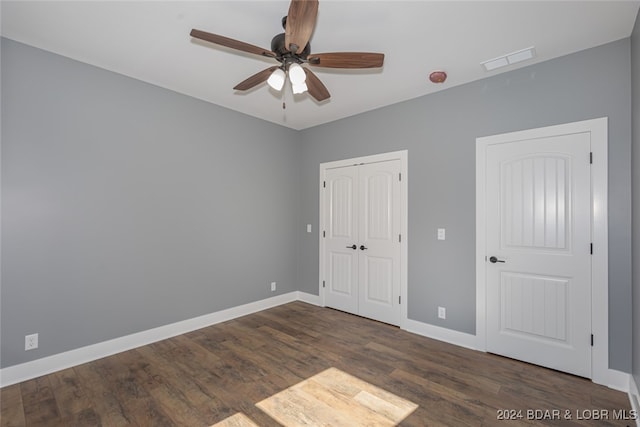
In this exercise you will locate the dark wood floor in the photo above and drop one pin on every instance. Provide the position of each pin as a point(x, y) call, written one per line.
point(205, 376)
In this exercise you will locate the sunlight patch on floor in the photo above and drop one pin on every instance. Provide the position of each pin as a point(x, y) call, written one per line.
point(336, 398)
point(237, 420)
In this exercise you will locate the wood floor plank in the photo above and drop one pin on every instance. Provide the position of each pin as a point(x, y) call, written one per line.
point(69, 394)
point(86, 418)
point(104, 401)
point(209, 375)
point(36, 390)
point(11, 407)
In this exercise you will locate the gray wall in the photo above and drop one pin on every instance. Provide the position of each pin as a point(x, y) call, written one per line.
point(126, 206)
point(439, 130)
point(635, 82)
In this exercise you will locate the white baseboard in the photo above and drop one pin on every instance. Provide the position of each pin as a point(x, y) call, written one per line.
point(617, 380)
point(46, 365)
point(309, 298)
point(441, 334)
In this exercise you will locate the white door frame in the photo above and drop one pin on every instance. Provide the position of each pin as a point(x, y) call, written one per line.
point(403, 156)
point(600, 372)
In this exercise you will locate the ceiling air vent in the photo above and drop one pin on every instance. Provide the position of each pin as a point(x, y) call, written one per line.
point(509, 59)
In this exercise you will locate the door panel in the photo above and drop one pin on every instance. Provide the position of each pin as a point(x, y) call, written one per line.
point(341, 213)
point(535, 203)
point(377, 274)
point(534, 306)
point(342, 273)
point(379, 231)
point(342, 205)
point(539, 223)
point(377, 193)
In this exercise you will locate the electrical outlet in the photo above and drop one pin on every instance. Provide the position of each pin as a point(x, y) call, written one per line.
point(441, 233)
point(30, 342)
point(442, 312)
point(273, 286)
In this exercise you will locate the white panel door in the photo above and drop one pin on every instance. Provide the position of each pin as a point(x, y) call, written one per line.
point(379, 228)
point(341, 228)
point(362, 248)
point(538, 214)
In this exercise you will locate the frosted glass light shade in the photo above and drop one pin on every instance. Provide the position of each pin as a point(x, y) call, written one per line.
point(276, 79)
point(296, 74)
point(299, 88)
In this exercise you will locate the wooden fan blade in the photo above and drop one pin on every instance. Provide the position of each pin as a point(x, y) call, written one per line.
point(347, 60)
point(234, 44)
point(315, 86)
point(256, 79)
point(301, 21)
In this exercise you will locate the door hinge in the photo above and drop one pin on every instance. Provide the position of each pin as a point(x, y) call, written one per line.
point(591, 248)
point(591, 157)
point(400, 176)
point(324, 184)
point(591, 340)
point(399, 299)
point(324, 233)
point(323, 284)
point(399, 238)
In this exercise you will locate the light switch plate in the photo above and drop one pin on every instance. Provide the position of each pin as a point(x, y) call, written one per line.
point(308, 228)
point(441, 233)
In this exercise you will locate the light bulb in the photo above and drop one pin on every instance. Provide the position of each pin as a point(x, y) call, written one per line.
point(299, 87)
point(296, 74)
point(276, 79)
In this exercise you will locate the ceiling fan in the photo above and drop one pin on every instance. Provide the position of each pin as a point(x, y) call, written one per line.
point(292, 49)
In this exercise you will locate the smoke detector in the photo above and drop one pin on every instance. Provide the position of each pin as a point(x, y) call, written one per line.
point(438, 76)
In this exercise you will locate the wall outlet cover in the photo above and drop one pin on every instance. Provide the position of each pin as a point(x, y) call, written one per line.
point(31, 342)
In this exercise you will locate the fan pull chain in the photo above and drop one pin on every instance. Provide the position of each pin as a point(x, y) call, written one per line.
point(284, 89)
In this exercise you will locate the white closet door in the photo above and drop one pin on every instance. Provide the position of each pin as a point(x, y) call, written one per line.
point(378, 243)
point(341, 228)
point(362, 243)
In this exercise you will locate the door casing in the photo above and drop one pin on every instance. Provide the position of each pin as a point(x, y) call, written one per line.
point(395, 155)
point(600, 372)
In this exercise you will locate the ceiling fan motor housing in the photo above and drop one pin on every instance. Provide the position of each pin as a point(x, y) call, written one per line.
point(277, 46)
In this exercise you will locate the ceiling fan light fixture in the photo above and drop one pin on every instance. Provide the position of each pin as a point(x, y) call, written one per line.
point(296, 74)
point(299, 87)
point(276, 79)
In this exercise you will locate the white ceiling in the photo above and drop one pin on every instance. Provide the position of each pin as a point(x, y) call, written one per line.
point(149, 41)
